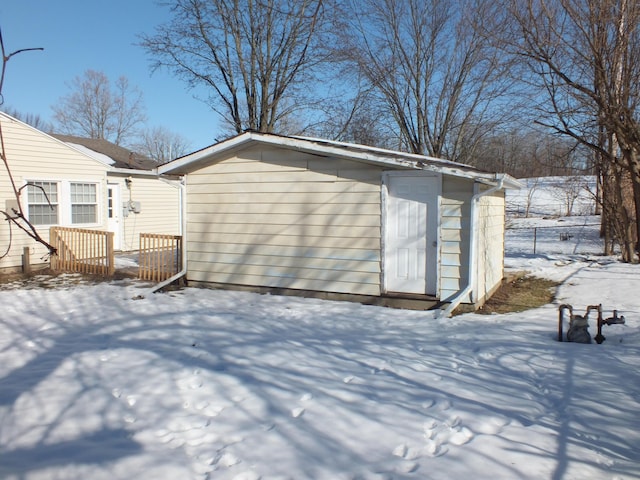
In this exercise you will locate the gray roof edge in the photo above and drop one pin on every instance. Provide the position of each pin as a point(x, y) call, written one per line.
point(355, 152)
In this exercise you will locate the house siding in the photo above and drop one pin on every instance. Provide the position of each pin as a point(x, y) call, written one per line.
point(33, 155)
point(159, 208)
point(455, 215)
point(491, 228)
point(282, 219)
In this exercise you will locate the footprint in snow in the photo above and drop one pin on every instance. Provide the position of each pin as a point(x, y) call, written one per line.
point(452, 432)
point(297, 412)
point(454, 421)
point(430, 429)
point(227, 460)
point(434, 448)
point(460, 436)
point(407, 467)
point(400, 451)
point(427, 404)
point(491, 426)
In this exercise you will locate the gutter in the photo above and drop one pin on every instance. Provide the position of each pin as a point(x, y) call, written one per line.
point(183, 222)
point(459, 297)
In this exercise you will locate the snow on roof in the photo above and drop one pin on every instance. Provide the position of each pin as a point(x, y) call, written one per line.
point(93, 154)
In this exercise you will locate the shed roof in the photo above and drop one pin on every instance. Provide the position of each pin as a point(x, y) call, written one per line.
point(329, 148)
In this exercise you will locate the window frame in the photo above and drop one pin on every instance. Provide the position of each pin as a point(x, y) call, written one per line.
point(35, 187)
point(65, 201)
point(73, 202)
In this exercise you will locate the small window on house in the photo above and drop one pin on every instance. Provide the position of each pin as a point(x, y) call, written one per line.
point(84, 203)
point(41, 210)
point(110, 203)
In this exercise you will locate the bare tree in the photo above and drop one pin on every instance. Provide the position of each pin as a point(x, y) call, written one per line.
point(162, 145)
point(532, 187)
point(435, 75)
point(355, 118)
point(14, 212)
point(584, 55)
point(526, 152)
point(254, 57)
point(97, 109)
point(35, 120)
point(568, 190)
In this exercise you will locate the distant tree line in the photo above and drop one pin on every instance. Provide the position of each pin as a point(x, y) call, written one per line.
point(527, 87)
point(98, 108)
point(523, 86)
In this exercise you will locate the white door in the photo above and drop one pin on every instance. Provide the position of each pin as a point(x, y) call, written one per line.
point(411, 233)
point(113, 213)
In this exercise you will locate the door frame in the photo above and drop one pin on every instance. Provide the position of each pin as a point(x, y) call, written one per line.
point(436, 201)
point(116, 206)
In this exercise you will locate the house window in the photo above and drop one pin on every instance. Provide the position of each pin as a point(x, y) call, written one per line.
point(43, 203)
point(84, 203)
point(110, 202)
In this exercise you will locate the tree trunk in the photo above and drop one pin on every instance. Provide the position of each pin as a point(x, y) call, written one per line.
point(623, 222)
point(633, 163)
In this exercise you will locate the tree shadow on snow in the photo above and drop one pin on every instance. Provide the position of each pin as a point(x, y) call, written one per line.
point(355, 371)
point(97, 448)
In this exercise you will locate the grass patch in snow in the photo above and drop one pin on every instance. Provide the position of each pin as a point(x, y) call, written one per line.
point(520, 292)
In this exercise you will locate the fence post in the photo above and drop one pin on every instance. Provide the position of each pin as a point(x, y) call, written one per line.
point(26, 260)
point(535, 239)
point(111, 263)
point(53, 240)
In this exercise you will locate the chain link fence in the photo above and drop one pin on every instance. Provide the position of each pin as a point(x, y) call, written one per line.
point(569, 239)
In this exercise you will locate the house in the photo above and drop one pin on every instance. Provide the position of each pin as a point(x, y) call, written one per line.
point(90, 184)
point(306, 216)
point(148, 203)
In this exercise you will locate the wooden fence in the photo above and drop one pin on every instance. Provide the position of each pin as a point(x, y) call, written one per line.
point(160, 256)
point(82, 251)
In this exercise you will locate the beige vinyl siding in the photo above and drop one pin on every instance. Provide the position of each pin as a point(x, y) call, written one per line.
point(285, 219)
point(454, 230)
point(32, 156)
point(159, 209)
point(491, 227)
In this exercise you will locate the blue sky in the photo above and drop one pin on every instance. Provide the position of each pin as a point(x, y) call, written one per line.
point(78, 35)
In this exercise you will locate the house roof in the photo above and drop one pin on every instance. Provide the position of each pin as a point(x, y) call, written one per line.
point(328, 148)
point(108, 153)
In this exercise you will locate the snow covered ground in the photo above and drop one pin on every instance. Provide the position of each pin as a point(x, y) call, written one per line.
point(553, 196)
point(202, 384)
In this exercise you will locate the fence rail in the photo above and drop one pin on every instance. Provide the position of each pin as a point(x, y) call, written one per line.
point(160, 256)
point(82, 251)
point(557, 239)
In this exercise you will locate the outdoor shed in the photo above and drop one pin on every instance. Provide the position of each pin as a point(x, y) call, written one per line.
point(306, 216)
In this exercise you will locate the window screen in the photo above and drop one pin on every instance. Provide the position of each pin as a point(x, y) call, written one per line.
point(41, 211)
point(83, 203)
